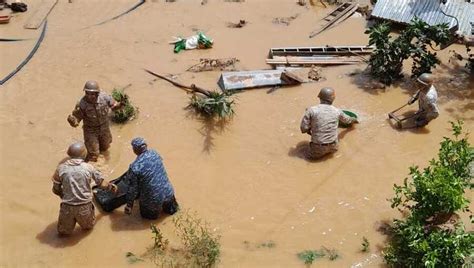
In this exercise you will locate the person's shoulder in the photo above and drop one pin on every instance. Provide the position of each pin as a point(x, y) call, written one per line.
point(104, 95)
point(432, 92)
point(312, 108)
point(82, 102)
point(87, 166)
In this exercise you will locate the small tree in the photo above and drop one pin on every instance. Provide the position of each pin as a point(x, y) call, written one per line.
point(432, 234)
point(386, 62)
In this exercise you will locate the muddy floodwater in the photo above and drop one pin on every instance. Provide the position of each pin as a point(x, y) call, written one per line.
point(248, 178)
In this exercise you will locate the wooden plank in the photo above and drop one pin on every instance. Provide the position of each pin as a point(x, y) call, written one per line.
point(321, 50)
point(339, 13)
point(305, 61)
point(343, 18)
point(45, 7)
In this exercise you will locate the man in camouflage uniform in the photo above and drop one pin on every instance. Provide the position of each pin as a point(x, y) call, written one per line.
point(149, 183)
point(72, 182)
point(427, 101)
point(321, 122)
point(93, 109)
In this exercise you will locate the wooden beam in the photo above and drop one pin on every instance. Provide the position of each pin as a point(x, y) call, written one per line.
point(45, 7)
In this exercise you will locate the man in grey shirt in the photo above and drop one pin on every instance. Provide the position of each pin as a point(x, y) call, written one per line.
point(321, 122)
point(72, 182)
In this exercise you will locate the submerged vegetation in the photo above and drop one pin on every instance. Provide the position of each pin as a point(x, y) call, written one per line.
point(210, 104)
point(432, 234)
point(215, 104)
point(365, 244)
point(126, 111)
point(386, 63)
point(309, 256)
point(200, 246)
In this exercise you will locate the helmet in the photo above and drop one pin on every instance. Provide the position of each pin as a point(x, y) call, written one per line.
point(327, 94)
point(77, 150)
point(426, 79)
point(91, 86)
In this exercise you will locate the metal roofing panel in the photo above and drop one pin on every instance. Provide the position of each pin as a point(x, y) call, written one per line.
point(403, 11)
point(250, 79)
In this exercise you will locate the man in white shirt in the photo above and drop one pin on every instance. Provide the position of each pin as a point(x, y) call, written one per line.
point(427, 101)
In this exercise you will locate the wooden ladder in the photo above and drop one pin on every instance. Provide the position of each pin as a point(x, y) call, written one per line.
point(337, 16)
point(320, 50)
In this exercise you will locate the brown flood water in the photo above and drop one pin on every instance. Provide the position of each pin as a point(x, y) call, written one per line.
point(247, 179)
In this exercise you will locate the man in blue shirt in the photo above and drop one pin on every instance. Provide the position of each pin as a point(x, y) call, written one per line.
point(148, 182)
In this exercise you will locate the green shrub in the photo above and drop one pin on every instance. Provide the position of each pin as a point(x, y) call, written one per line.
point(432, 234)
point(309, 256)
point(200, 243)
point(216, 104)
point(386, 63)
point(126, 111)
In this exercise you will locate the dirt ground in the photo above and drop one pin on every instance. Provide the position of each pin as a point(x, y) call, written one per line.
point(247, 179)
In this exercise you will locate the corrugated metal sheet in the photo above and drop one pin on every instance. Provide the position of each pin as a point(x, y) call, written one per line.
point(250, 79)
point(403, 11)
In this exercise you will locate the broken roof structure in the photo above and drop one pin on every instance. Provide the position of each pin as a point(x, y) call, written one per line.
point(430, 11)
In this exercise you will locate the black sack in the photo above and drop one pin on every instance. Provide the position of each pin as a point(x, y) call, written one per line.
point(109, 201)
point(18, 7)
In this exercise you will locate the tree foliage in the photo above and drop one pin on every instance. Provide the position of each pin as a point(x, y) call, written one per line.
point(386, 62)
point(432, 234)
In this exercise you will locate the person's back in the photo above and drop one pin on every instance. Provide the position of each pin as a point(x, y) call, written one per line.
point(72, 183)
point(76, 176)
point(149, 183)
point(428, 101)
point(154, 185)
point(324, 123)
point(321, 122)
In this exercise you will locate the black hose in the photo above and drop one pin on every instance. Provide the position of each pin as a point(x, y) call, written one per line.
point(121, 14)
point(14, 39)
point(28, 58)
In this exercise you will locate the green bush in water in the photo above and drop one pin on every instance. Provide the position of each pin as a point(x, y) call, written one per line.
point(126, 111)
point(217, 104)
point(432, 235)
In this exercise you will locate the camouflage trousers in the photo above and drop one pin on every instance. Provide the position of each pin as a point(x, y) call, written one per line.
point(97, 139)
point(84, 215)
point(317, 151)
point(152, 211)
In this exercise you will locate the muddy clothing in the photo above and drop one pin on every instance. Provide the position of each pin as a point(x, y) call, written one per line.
point(319, 150)
point(428, 107)
point(84, 215)
point(149, 184)
point(321, 121)
point(72, 182)
point(95, 117)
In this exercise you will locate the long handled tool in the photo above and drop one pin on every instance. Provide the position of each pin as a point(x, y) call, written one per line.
point(392, 115)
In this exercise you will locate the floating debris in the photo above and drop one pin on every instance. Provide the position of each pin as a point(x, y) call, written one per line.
point(285, 20)
point(208, 64)
point(240, 24)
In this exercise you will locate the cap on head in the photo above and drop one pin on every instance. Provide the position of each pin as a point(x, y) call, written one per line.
point(327, 94)
point(91, 86)
point(138, 143)
point(425, 79)
point(77, 150)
